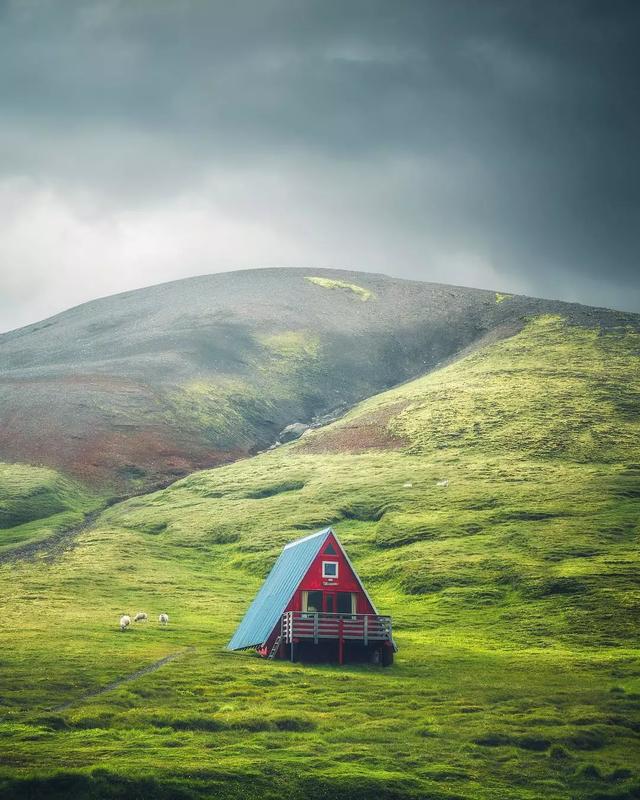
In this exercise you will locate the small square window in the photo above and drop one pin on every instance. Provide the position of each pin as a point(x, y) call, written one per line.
point(329, 569)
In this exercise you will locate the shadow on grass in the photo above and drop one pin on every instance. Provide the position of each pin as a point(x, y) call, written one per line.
point(104, 785)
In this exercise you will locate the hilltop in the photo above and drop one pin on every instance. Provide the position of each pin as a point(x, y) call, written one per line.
point(490, 506)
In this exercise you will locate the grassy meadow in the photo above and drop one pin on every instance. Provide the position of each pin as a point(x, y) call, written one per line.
point(491, 507)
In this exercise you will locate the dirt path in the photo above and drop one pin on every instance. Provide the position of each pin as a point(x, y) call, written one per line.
point(58, 543)
point(53, 546)
point(125, 679)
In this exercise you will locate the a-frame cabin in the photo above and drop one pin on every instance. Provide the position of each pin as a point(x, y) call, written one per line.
point(314, 607)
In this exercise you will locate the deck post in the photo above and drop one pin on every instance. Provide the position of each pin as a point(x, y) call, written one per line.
point(341, 641)
point(315, 628)
point(281, 649)
point(366, 630)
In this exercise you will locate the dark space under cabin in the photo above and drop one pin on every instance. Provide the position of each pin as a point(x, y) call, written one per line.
point(314, 607)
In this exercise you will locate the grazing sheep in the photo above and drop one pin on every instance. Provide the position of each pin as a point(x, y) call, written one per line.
point(140, 617)
point(163, 619)
point(125, 621)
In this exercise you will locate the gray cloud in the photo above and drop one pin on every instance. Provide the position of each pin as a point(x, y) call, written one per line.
point(489, 144)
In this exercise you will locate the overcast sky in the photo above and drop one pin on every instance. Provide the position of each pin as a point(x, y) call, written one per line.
point(483, 143)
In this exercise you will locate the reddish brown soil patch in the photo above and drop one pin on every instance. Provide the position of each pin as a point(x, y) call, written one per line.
point(107, 432)
point(368, 432)
point(153, 454)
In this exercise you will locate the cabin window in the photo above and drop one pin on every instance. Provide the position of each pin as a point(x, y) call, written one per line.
point(329, 569)
point(312, 602)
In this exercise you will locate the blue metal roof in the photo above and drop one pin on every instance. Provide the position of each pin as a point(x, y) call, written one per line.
point(272, 599)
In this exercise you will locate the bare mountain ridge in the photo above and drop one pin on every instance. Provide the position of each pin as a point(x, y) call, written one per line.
point(137, 388)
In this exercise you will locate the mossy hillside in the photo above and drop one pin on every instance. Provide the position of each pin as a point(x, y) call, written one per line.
point(553, 390)
point(284, 377)
point(222, 411)
point(130, 392)
point(34, 501)
point(513, 590)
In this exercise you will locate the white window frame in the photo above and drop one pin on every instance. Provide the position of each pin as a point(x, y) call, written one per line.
point(337, 566)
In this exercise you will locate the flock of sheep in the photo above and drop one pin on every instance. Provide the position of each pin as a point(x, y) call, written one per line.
point(125, 619)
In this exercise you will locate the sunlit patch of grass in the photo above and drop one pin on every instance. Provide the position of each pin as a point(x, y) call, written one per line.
point(330, 283)
point(292, 346)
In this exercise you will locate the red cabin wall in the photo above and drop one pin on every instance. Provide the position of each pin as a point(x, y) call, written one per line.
point(345, 582)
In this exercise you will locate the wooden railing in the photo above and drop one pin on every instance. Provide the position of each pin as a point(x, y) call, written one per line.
point(309, 625)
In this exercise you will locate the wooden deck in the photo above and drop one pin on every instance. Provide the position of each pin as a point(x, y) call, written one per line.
point(317, 626)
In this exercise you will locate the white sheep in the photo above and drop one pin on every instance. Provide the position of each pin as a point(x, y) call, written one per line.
point(140, 617)
point(125, 621)
point(163, 619)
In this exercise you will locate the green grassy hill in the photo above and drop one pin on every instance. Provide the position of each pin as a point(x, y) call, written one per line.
point(491, 507)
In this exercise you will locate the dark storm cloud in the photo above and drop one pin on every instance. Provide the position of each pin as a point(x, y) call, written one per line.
point(486, 143)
